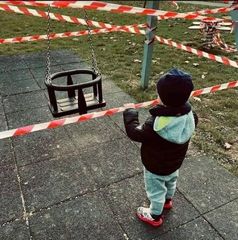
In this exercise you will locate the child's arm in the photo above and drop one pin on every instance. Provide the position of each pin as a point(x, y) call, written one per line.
point(133, 129)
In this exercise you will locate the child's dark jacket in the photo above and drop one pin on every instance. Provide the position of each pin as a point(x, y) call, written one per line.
point(161, 156)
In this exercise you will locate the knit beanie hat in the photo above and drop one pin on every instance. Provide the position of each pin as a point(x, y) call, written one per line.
point(175, 87)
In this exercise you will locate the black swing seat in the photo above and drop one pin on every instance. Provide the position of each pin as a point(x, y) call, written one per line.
point(76, 100)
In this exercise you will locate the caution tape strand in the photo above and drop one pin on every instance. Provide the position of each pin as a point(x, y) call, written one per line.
point(65, 121)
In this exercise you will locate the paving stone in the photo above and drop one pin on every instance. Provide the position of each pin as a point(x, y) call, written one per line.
point(9, 78)
point(4, 76)
point(49, 182)
point(66, 57)
point(1, 106)
point(206, 184)
point(3, 123)
point(93, 132)
point(43, 145)
point(20, 74)
point(109, 86)
point(15, 87)
point(115, 100)
point(23, 102)
point(9, 63)
point(113, 161)
point(7, 154)
point(29, 116)
point(126, 196)
point(16, 230)
point(10, 197)
point(118, 100)
point(78, 64)
point(198, 229)
point(37, 59)
point(225, 220)
point(39, 74)
point(56, 58)
point(85, 218)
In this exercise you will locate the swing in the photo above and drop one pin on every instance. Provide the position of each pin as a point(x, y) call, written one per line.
point(75, 99)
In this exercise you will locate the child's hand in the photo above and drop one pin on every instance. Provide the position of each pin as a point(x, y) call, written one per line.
point(129, 105)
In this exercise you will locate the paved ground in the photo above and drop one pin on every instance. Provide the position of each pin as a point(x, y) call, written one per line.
point(84, 181)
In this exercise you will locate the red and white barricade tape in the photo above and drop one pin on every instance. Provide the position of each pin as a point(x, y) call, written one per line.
point(215, 10)
point(129, 29)
point(57, 16)
point(221, 59)
point(65, 121)
point(55, 36)
point(220, 43)
point(113, 8)
point(175, 4)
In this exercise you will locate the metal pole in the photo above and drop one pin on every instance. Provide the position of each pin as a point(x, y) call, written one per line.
point(234, 17)
point(148, 45)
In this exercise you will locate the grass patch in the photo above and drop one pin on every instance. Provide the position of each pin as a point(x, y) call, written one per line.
point(116, 53)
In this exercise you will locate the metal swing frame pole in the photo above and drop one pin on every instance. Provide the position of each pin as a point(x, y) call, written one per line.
point(148, 45)
point(234, 17)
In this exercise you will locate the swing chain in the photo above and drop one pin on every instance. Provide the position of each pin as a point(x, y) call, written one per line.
point(48, 56)
point(90, 39)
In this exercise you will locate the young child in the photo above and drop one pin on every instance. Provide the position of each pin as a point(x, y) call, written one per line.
point(165, 137)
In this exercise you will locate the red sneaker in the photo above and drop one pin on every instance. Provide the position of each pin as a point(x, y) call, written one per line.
point(168, 204)
point(144, 215)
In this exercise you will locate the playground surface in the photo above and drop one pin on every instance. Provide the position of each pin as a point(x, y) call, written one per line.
point(85, 181)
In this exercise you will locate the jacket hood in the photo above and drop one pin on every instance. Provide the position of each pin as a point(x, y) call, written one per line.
point(175, 129)
point(161, 110)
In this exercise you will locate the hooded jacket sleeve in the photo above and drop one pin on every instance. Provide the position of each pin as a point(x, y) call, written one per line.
point(134, 130)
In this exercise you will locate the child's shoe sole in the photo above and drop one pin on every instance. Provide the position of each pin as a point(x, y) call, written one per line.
point(153, 223)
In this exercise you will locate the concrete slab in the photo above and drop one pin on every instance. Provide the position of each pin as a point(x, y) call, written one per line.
point(225, 220)
point(40, 72)
point(1, 106)
point(43, 145)
point(206, 184)
point(7, 154)
point(117, 100)
point(25, 101)
point(66, 57)
point(3, 122)
point(198, 229)
point(109, 86)
point(113, 161)
point(87, 218)
point(4, 77)
point(9, 63)
point(77, 64)
point(29, 116)
point(38, 59)
point(16, 230)
point(93, 132)
point(16, 87)
point(10, 196)
point(19, 74)
point(126, 196)
point(50, 182)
